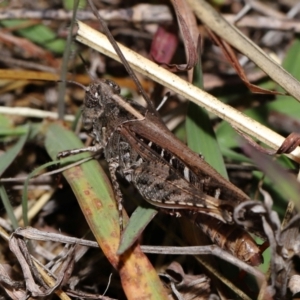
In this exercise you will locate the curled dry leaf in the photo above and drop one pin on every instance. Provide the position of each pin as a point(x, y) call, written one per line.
point(14, 289)
point(287, 248)
point(190, 41)
point(290, 143)
point(284, 245)
point(186, 286)
point(231, 57)
point(28, 276)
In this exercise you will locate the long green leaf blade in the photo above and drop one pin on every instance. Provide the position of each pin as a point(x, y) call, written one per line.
point(95, 197)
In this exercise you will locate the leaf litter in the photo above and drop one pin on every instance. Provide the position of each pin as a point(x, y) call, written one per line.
point(80, 277)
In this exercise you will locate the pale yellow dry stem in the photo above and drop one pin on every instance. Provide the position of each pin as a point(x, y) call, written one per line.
point(32, 112)
point(37, 206)
point(99, 42)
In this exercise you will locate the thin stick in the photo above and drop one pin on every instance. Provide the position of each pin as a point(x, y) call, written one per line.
point(35, 234)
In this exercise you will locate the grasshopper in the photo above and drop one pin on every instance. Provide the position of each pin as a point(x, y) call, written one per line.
point(139, 147)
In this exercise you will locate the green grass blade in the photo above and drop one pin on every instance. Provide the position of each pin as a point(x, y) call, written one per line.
point(8, 208)
point(8, 157)
point(64, 67)
point(200, 134)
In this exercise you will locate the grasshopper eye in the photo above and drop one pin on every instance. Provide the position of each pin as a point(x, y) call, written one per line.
point(113, 85)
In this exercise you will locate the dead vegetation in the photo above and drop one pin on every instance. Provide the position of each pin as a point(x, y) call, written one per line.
point(67, 209)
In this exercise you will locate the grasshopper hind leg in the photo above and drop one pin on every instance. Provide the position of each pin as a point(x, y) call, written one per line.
point(113, 166)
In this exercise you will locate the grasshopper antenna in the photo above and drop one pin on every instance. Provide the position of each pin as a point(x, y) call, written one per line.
point(120, 54)
point(85, 66)
point(74, 82)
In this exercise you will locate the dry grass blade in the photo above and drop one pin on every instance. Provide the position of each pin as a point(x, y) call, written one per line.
point(34, 113)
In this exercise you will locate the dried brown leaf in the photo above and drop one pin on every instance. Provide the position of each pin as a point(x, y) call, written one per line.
point(14, 289)
point(187, 286)
point(184, 13)
point(29, 280)
point(290, 143)
point(231, 57)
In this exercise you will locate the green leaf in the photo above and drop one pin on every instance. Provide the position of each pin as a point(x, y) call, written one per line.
point(287, 104)
point(69, 4)
point(96, 199)
point(39, 34)
point(140, 218)
point(58, 46)
point(292, 59)
point(8, 130)
point(5, 121)
point(6, 159)
point(229, 138)
point(285, 182)
point(89, 183)
point(9, 156)
point(19, 130)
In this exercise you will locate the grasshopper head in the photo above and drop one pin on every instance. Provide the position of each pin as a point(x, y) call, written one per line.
point(98, 95)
